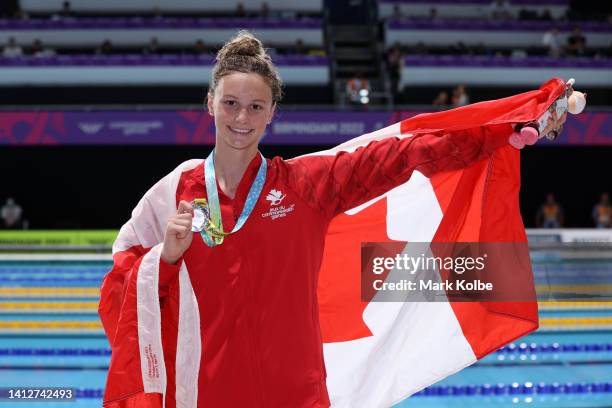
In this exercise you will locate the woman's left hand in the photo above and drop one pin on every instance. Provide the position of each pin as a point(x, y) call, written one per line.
point(554, 123)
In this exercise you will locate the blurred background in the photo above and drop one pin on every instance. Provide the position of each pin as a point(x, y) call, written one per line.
point(98, 100)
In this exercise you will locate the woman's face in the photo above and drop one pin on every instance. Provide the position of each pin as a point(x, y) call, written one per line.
point(242, 107)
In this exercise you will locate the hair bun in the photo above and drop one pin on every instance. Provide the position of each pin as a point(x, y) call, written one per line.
point(243, 44)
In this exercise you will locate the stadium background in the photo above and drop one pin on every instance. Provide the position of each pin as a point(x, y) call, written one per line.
point(70, 160)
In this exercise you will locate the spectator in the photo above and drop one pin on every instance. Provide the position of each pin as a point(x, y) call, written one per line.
point(66, 10)
point(299, 48)
point(441, 99)
point(153, 47)
point(39, 51)
point(36, 47)
point(64, 14)
point(546, 15)
point(105, 48)
point(11, 215)
point(576, 43)
point(358, 90)
point(460, 96)
point(12, 49)
point(240, 11)
point(552, 41)
point(433, 14)
point(550, 214)
point(394, 64)
point(397, 12)
point(500, 10)
point(200, 47)
point(602, 212)
point(264, 12)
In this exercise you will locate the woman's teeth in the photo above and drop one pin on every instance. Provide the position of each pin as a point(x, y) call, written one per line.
point(242, 131)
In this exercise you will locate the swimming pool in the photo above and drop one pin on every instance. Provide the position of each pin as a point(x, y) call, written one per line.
point(52, 337)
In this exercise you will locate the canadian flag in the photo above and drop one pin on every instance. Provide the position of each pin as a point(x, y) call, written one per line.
point(379, 353)
point(376, 353)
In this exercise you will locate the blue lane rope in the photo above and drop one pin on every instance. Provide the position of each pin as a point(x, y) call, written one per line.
point(515, 389)
point(522, 348)
point(55, 352)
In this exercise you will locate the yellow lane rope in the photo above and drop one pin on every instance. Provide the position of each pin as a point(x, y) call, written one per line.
point(545, 323)
point(577, 322)
point(81, 325)
point(49, 292)
point(573, 305)
point(548, 323)
point(598, 287)
point(95, 292)
point(50, 306)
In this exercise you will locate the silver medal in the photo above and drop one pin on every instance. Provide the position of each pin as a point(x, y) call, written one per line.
point(197, 224)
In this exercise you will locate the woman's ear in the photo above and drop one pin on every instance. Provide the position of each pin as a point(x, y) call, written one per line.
point(209, 104)
point(272, 112)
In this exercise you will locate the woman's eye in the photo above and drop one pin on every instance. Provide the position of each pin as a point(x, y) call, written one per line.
point(230, 103)
point(257, 107)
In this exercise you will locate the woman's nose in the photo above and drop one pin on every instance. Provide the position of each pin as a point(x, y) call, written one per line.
point(242, 115)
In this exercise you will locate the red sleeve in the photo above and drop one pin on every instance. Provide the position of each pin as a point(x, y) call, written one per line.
point(442, 141)
point(336, 183)
point(168, 273)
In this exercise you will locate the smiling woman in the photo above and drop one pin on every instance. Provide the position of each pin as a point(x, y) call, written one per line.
point(230, 316)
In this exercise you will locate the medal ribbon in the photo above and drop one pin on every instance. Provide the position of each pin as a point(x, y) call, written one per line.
point(212, 231)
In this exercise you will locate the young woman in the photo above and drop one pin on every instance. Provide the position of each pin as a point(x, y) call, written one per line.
point(227, 316)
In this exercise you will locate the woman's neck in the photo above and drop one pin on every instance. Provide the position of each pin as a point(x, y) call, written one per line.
point(230, 165)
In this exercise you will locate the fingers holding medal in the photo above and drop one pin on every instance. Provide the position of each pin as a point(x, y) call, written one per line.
point(178, 234)
point(185, 207)
point(183, 219)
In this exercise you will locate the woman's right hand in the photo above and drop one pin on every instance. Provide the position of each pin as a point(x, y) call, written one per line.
point(178, 233)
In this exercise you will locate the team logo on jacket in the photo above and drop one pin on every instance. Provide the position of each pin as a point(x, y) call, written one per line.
point(276, 197)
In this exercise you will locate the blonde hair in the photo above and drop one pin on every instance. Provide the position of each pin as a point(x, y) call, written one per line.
point(245, 53)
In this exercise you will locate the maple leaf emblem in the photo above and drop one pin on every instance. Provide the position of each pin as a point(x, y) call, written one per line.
point(275, 197)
